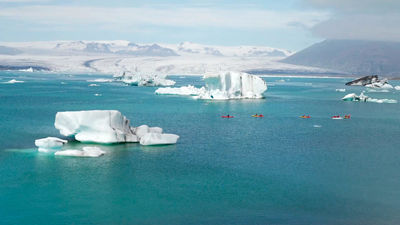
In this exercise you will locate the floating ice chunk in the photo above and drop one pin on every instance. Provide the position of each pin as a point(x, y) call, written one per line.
point(93, 85)
point(341, 90)
point(30, 69)
point(185, 90)
point(14, 81)
point(385, 100)
point(397, 88)
point(100, 126)
point(158, 139)
point(378, 90)
point(363, 98)
point(97, 94)
point(223, 86)
point(317, 126)
point(138, 79)
point(49, 144)
point(100, 80)
point(381, 84)
point(233, 85)
point(355, 98)
point(106, 126)
point(86, 152)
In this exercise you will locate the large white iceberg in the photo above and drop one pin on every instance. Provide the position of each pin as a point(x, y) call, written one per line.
point(101, 126)
point(142, 79)
point(86, 152)
point(49, 144)
point(223, 86)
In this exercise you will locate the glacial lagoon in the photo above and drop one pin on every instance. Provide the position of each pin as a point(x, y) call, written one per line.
point(279, 169)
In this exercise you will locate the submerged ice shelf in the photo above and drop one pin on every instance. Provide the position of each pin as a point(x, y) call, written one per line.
point(223, 86)
point(85, 152)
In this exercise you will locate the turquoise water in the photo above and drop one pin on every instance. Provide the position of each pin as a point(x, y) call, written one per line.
point(276, 170)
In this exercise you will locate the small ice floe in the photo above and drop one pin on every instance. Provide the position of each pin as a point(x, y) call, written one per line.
point(158, 139)
point(378, 90)
point(363, 98)
point(397, 88)
point(63, 82)
point(13, 81)
point(49, 144)
point(93, 85)
point(97, 94)
point(30, 69)
point(341, 90)
point(317, 126)
point(101, 80)
point(281, 80)
point(86, 152)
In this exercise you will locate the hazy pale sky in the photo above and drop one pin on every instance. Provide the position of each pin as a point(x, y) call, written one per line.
point(289, 24)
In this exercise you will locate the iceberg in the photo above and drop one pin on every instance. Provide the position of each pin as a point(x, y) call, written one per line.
point(86, 152)
point(106, 127)
point(158, 139)
point(223, 86)
point(363, 98)
point(49, 144)
point(14, 81)
point(100, 126)
point(341, 90)
point(101, 80)
point(184, 90)
point(397, 88)
point(138, 79)
point(371, 82)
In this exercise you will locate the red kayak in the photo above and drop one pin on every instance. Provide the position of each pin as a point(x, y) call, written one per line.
point(227, 116)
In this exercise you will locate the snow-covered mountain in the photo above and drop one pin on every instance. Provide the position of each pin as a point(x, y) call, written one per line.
point(114, 56)
point(231, 51)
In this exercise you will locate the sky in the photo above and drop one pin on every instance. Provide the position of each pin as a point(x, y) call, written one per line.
point(288, 24)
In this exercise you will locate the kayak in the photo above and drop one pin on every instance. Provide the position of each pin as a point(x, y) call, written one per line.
point(227, 116)
point(257, 116)
point(347, 117)
point(337, 117)
point(305, 117)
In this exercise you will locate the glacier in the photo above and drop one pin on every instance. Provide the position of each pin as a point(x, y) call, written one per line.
point(111, 57)
point(223, 86)
point(49, 144)
point(105, 127)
